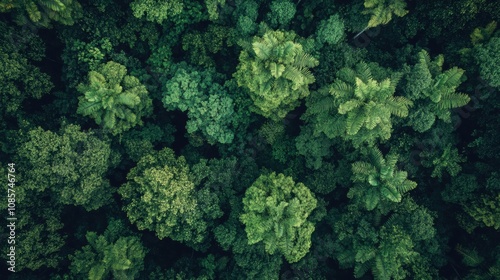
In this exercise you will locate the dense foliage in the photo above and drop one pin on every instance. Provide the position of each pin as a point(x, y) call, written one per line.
point(250, 139)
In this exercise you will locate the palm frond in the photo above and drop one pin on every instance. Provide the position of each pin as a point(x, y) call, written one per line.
point(305, 60)
point(355, 120)
point(363, 72)
point(453, 100)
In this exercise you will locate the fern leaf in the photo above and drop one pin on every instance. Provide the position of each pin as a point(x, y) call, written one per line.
point(380, 271)
point(355, 120)
point(109, 119)
point(406, 186)
point(261, 50)
point(341, 88)
point(452, 77)
point(453, 100)
point(372, 199)
point(362, 168)
point(391, 193)
point(128, 99)
point(349, 106)
point(360, 269)
point(305, 60)
point(33, 12)
point(347, 75)
point(54, 5)
point(308, 76)
point(293, 74)
point(364, 72)
point(276, 69)
point(87, 108)
point(391, 159)
point(376, 158)
point(398, 105)
point(323, 105)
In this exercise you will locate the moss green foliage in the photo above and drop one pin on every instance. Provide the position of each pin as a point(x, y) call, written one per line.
point(20, 78)
point(381, 11)
point(201, 46)
point(449, 160)
point(276, 72)
point(487, 57)
point(378, 180)
point(155, 10)
point(42, 12)
point(160, 196)
point(434, 90)
point(390, 249)
point(275, 212)
point(330, 31)
point(357, 107)
point(115, 254)
point(282, 12)
point(210, 107)
point(250, 139)
point(40, 245)
point(115, 100)
point(71, 164)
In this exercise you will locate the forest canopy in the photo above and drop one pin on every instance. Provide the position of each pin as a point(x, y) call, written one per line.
point(250, 139)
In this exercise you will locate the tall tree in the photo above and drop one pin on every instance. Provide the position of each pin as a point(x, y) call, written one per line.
point(357, 107)
point(381, 11)
point(276, 72)
point(433, 91)
point(275, 212)
point(20, 79)
point(401, 246)
point(42, 12)
point(116, 254)
point(160, 196)
point(115, 100)
point(208, 104)
point(378, 181)
point(70, 163)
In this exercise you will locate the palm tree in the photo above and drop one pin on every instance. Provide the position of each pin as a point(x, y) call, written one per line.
point(381, 12)
point(378, 179)
point(366, 104)
point(276, 71)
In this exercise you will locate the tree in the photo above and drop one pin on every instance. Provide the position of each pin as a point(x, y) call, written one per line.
point(282, 12)
point(381, 11)
point(20, 78)
point(330, 31)
point(115, 100)
point(485, 209)
point(487, 57)
point(433, 91)
point(275, 212)
point(209, 106)
point(41, 12)
point(378, 180)
point(70, 164)
point(400, 246)
point(160, 196)
point(477, 197)
point(356, 107)
point(156, 11)
point(276, 72)
point(213, 8)
point(449, 160)
point(116, 254)
point(202, 45)
point(313, 148)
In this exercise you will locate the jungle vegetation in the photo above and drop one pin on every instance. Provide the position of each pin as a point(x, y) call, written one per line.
point(251, 139)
